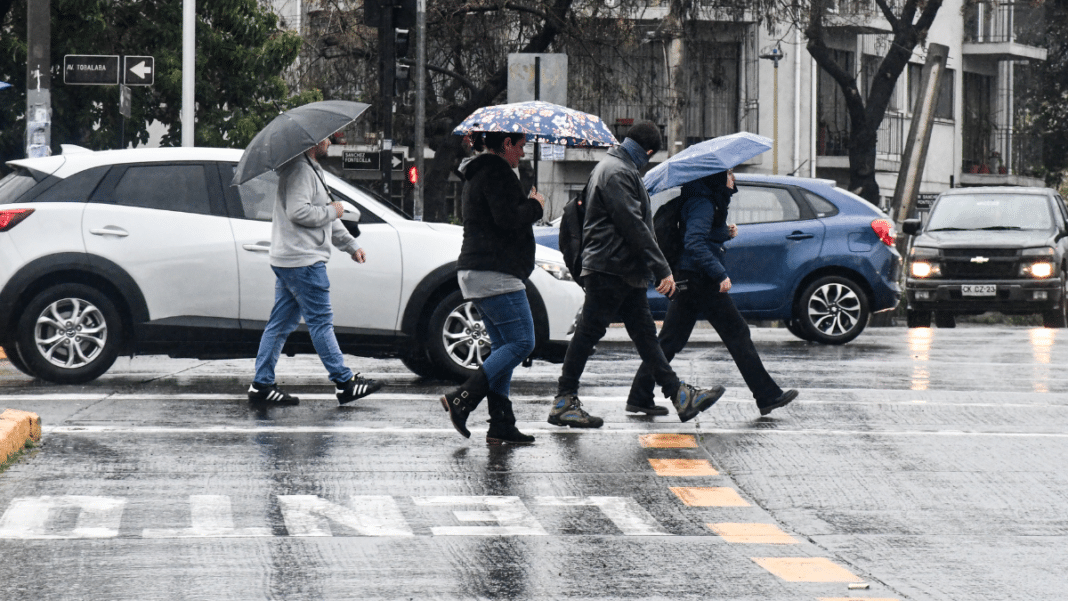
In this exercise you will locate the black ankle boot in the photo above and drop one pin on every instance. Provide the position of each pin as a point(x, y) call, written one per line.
point(502, 428)
point(462, 401)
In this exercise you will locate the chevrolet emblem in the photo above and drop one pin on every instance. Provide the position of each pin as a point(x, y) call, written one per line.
point(980, 260)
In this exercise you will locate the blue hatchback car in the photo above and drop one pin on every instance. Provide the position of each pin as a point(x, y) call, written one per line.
point(808, 253)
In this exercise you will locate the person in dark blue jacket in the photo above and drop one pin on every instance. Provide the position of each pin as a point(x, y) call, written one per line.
point(706, 284)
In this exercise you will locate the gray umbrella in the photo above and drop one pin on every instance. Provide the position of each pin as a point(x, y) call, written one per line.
point(293, 132)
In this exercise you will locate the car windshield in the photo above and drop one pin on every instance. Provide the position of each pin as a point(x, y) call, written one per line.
point(359, 192)
point(991, 212)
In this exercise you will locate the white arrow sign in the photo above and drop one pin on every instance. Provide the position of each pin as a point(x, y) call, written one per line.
point(140, 70)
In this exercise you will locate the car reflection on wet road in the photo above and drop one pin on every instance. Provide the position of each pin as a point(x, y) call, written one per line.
point(917, 463)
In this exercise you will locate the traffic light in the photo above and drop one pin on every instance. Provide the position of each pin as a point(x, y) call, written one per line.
point(400, 43)
point(413, 175)
point(402, 12)
point(402, 78)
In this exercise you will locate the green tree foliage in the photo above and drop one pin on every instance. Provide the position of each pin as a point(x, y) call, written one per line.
point(1045, 112)
point(240, 58)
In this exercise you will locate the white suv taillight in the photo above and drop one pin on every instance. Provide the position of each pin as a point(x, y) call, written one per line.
point(12, 217)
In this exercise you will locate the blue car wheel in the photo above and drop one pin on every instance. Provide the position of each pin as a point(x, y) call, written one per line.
point(833, 310)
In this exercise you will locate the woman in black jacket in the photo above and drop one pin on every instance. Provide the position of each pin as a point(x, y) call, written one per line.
point(496, 259)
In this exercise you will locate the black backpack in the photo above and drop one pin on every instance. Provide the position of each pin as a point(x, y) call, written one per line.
point(669, 229)
point(570, 241)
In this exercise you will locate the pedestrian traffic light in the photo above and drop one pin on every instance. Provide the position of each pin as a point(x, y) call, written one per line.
point(400, 43)
point(413, 175)
point(401, 79)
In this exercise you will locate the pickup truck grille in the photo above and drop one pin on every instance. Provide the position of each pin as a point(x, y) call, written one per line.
point(980, 263)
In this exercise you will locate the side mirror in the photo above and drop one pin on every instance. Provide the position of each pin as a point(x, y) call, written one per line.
point(911, 226)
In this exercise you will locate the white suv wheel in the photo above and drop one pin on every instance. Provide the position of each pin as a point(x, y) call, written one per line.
point(69, 334)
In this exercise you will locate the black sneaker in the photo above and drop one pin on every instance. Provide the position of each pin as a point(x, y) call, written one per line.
point(356, 388)
point(263, 394)
point(568, 411)
point(781, 401)
point(647, 409)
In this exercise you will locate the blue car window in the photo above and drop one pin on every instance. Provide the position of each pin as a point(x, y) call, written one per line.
point(759, 204)
point(820, 205)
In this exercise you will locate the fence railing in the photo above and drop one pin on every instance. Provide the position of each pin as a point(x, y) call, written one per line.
point(1004, 22)
point(1003, 152)
point(889, 144)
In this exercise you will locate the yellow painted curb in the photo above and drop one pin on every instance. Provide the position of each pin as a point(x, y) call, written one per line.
point(16, 427)
point(2, 354)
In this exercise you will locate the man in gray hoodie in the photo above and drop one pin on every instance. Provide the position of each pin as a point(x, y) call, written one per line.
point(304, 224)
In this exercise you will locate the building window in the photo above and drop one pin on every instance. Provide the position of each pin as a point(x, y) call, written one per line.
point(626, 84)
point(831, 107)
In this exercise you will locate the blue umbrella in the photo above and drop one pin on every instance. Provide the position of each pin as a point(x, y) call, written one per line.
point(705, 158)
point(541, 122)
point(4, 84)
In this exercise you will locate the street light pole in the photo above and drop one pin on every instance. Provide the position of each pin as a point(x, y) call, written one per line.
point(188, 69)
point(775, 55)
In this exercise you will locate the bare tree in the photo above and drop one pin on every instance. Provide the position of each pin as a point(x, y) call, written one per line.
point(909, 21)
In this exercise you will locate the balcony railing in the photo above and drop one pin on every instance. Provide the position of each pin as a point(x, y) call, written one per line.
point(999, 22)
point(889, 144)
point(1003, 152)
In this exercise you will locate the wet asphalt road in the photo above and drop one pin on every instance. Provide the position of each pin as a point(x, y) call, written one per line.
point(927, 464)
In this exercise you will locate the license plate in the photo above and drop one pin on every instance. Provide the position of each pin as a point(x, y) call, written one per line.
point(979, 290)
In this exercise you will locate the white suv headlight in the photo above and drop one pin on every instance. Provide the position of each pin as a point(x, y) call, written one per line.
point(557, 270)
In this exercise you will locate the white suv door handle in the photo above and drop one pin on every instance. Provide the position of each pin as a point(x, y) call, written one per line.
point(258, 247)
point(110, 230)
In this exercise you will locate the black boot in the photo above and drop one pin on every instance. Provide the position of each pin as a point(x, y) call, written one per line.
point(502, 428)
point(462, 401)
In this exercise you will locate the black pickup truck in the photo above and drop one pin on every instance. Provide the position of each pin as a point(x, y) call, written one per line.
point(989, 249)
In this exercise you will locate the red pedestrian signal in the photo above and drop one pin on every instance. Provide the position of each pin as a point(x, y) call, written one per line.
point(413, 175)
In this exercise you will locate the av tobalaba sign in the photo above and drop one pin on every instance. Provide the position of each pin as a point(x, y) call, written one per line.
point(91, 70)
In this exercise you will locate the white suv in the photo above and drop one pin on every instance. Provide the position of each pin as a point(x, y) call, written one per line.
point(151, 251)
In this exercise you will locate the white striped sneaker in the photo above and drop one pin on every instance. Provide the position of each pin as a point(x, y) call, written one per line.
point(270, 395)
point(355, 388)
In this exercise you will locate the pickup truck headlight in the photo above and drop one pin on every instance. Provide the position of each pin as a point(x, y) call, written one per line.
point(923, 262)
point(925, 269)
point(557, 270)
point(1042, 269)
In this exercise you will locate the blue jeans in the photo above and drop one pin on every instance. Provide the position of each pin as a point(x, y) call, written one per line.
point(301, 291)
point(511, 329)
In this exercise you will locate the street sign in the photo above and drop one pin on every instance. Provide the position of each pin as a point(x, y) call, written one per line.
point(355, 159)
point(370, 160)
point(138, 70)
point(924, 200)
point(124, 101)
point(91, 69)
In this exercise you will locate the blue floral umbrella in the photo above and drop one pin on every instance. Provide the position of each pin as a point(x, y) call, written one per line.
point(541, 122)
point(705, 158)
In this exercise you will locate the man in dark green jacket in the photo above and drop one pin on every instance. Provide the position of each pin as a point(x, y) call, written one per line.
point(620, 258)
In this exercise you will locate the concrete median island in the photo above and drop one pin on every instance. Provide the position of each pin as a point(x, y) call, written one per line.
point(16, 429)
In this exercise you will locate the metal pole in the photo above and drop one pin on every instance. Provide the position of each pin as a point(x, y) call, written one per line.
point(386, 37)
point(420, 106)
point(775, 127)
point(38, 78)
point(188, 70)
point(537, 96)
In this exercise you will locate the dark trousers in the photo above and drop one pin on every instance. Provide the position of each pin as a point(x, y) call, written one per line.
point(606, 297)
point(703, 296)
